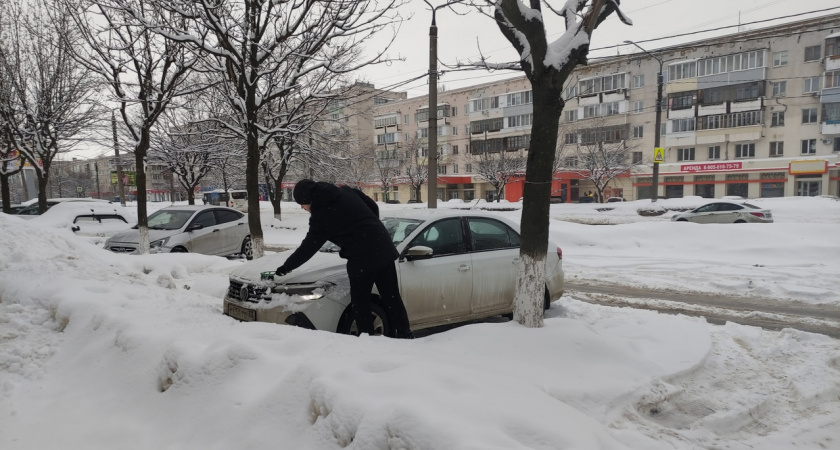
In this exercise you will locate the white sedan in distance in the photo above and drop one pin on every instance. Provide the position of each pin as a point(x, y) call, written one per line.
point(454, 266)
point(726, 212)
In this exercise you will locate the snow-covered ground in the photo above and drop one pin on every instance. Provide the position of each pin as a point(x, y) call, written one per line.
point(104, 351)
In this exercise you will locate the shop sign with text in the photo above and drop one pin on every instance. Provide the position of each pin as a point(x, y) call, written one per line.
point(708, 167)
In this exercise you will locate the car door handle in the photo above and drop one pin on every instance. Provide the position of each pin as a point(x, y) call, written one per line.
point(463, 268)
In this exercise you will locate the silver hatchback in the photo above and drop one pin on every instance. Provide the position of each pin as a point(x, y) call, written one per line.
point(211, 230)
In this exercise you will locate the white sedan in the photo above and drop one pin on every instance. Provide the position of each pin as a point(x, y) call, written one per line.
point(454, 266)
point(726, 212)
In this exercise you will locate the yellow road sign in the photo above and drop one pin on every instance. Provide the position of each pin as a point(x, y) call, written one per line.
point(658, 155)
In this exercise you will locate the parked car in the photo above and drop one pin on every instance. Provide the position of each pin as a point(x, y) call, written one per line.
point(726, 212)
point(615, 199)
point(211, 230)
point(14, 209)
point(31, 210)
point(88, 218)
point(586, 199)
point(454, 266)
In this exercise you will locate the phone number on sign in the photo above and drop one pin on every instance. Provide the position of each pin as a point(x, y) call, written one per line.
point(705, 167)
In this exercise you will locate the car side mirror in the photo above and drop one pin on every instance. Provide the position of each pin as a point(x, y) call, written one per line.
point(418, 252)
point(195, 226)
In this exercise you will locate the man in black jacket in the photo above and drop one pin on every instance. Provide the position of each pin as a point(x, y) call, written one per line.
point(350, 219)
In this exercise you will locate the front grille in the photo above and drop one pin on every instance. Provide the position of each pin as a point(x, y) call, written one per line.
point(255, 294)
point(122, 248)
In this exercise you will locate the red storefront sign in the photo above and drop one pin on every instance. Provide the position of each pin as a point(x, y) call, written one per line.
point(708, 167)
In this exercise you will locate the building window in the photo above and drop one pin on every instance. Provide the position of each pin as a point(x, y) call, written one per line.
point(601, 109)
point(685, 154)
point(832, 79)
point(571, 116)
point(454, 130)
point(638, 81)
point(571, 92)
point(570, 138)
point(745, 150)
point(454, 168)
point(467, 129)
point(777, 119)
point(812, 53)
point(681, 100)
point(680, 125)
point(809, 115)
point(809, 146)
point(714, 152)
point(468, 168)
point(519, 98)
point(523, 120)
point(405, 119)
point(638, 132)
point(638, 107)
point(423, 133)
point(454, 111)
point(777, 148)
point(780, 58)
point(637, 157)
point(442, 170)
point(454, 149)
point(602, 84)
point(682, 70)
point(779, 89)
point(836, 147)
point(811, 84)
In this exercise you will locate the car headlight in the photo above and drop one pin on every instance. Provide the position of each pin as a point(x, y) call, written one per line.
point(304, 291)
point(158, 244)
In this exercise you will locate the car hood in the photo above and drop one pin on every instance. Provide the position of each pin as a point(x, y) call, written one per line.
point(132, 236)
point(321, 266)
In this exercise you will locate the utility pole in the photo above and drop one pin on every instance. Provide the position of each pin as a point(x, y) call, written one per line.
point(120, 187)
point(654, 195)
point(433, 112)
point(98, 189)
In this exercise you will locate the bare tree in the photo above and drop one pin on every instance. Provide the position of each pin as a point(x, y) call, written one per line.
point(265, 51)
point(387, 163)
point(547, 65)
point(495, 164)
point(50, 100)
point(415, 167)
point(11, 162)
point(143, 71)
point(599, 154)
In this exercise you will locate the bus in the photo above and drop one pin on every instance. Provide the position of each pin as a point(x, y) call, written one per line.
point(233, 198)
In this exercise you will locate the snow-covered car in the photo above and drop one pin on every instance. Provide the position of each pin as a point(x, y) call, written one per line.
point(726, 212)
point(31, 210)
point(211, 230)
point(88, 218)
point(454, 266)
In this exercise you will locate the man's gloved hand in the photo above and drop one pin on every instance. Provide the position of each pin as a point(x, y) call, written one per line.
point(281, 271)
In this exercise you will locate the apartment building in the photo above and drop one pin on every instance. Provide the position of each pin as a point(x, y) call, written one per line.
point(751, 114)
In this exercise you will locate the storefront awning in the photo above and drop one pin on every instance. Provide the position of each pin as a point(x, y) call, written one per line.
point(455, 180)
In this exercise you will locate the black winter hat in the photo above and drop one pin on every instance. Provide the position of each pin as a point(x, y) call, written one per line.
point(303, 191)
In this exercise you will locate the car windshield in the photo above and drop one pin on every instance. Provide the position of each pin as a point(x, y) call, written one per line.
point(169, 219)
point(400, 228)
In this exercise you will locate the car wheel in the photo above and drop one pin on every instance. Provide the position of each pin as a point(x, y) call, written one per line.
point(179, 250)
point(547, 302)
point(740, 221)
point(381, 324)
point(247, 248)
point(682, 220)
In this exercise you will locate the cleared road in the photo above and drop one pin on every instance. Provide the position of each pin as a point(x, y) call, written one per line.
point(767, 313)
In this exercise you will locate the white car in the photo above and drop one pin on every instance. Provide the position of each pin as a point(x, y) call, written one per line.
point(211, 230)
point(88, 218)
point(31, 210)
point(454, 266)
point(726, 212)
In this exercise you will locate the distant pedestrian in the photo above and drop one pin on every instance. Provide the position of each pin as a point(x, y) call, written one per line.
point(350, 219)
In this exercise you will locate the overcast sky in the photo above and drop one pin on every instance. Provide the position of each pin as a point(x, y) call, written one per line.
point(459, 36)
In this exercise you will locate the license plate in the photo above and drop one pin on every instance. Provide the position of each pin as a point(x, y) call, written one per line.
point(240, 313)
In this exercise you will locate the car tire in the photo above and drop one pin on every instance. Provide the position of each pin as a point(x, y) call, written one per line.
point(247, 250)
point(682, 220)
point(381, 323)
point(740, 221)
point(179, 249)
point(547, 301)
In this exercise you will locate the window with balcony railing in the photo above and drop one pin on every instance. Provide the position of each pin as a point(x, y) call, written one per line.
point(489, 125)
point(601, 109)
point(385, 121)
point(682, 100)
point(603, 84)
point(732, 120)
point(739, 92)
point(610, 134)
point(387, 138)
point(832, 79)
point(422, 114)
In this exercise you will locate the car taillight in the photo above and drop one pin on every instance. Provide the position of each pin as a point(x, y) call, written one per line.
point(758, 214)
point(559, 253)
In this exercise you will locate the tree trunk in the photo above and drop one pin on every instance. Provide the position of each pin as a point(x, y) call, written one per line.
point(252, 183)
point(278, 198)
point(142, 208)
point(528, 302)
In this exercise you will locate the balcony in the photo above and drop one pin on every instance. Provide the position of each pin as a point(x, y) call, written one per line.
point(732, 120)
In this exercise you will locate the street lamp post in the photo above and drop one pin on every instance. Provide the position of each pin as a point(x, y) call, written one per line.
point(656, 140)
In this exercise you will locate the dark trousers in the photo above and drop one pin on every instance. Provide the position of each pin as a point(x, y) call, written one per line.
point(385, 279)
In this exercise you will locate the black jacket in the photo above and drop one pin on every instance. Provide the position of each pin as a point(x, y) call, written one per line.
point(350, 219)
